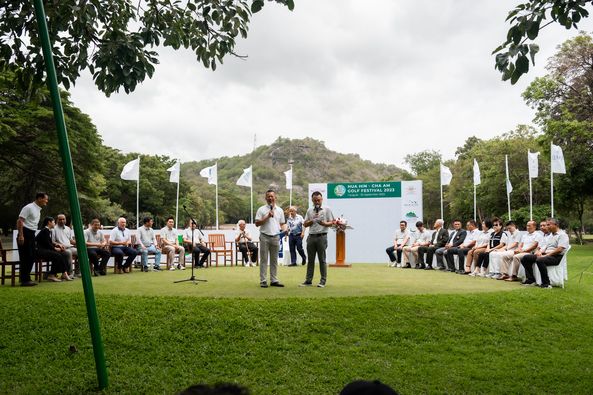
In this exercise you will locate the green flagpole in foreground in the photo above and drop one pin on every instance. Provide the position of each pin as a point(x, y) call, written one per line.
point(83, 258)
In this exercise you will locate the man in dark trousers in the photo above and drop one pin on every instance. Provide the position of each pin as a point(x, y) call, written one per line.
point(439, 239)
point(27, 226)
point(456, 238)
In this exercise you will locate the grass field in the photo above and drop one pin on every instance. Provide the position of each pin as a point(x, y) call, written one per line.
point(420, 332)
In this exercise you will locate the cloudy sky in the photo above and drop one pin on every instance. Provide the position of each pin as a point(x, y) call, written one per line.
point(380, 78)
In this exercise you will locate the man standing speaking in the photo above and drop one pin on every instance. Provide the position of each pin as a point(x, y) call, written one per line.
point(319, 219)
point(270, 220)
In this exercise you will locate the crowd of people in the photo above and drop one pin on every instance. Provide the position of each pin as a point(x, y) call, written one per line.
point(55, 243)
point(488, 249)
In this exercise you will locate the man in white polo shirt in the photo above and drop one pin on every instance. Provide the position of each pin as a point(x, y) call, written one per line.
point(400, 240)
point(496, 257)
point(170, 241)
point(120, 240)
point(271, 221)
point(27, 225)
point(64, 236)
point(422, 239)
point(529, 242)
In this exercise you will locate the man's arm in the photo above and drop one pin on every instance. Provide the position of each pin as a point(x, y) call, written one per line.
point(20, 238)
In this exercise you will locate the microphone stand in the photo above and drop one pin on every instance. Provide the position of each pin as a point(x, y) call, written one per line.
point(193, 278)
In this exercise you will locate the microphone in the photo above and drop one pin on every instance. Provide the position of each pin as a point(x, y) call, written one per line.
point(317, 208)
point(271, 210)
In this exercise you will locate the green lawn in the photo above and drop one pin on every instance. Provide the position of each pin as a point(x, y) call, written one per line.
point(420, 332)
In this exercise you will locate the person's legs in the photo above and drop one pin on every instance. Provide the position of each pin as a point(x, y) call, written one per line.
point(144, 256)
point(389, 250)
point(26, 255)
point(93, 259)
point(181, 251)
point(527, 261)
point(321, 248)
point(311, 251)
point(429, 254)
point(253, 250)
point(169, 251)
point(105, 255)
point(439, 253)
point(205, 254)
point(292, 247)
point(131, 253)
point(264, 242)
point(273, 248)
point(299, 247)
point(118, 257)
point(542, 264)
point(243, 249)
point(421, 251)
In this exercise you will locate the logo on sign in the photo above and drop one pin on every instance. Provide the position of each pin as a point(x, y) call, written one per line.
point(340, 190)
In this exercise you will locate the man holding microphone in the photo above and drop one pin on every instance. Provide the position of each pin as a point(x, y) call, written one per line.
point(270, 220)
point(319, 219)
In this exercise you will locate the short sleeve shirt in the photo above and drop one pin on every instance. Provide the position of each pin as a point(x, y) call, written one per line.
point(295, 225)
point(471, 235)
point(422, 237)
point(62, 235)
point(169, 234)
point(483, 238)
point(325, 214)
point(529, 239)
point(243, 239)
point(555, 240)
point(93, 237)
point(146, 236)
point(187, 234)
point(400, 236)
point(272, 226)
point(511, 239)
point(119, 235)
point(31, 213)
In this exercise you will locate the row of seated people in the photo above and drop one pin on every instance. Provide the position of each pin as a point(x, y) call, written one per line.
point(492, 250)
point(56, 244)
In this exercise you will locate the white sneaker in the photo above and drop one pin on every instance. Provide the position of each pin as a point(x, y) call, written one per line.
point(394, 264)
point(172, 268)
point(181, 267)
point(399, 265)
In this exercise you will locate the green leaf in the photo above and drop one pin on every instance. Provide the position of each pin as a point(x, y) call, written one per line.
point(533, 49)
point(256, 6)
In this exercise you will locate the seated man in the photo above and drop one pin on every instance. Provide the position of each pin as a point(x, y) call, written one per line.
point(147, 244)
point(246, 245)
point(496, 257)
point(455, 239)
point(64, 236)
point(120, 241)
point(529, 242)
point(462, 250)
point(438, 239)
point(481, 244)
point(400, 240)
point(199, 246)
point(550, 255)
point(53, 252)
point(96, 247)
point(422, 239)
point(171, 246)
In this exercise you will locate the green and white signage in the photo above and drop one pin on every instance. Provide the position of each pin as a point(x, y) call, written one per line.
point(362, 190)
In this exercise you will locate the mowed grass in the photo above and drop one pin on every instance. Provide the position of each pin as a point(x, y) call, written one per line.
point(420, 332)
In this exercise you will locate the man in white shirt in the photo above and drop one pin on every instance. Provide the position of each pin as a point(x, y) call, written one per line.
point(422, 239)
point(120, 241)
point(246, 245)
point(199, 246)
point(271, 221)
point(147, 244)
point(551, 255)
point(508, 251)
point(400, 240)
point(27, 225)
point(529, 242)
point(170, 242)
point(63, 235)
point(97, 247)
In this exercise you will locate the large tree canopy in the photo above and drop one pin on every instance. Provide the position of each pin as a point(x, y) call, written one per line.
point(115, 39)
point(527, 19)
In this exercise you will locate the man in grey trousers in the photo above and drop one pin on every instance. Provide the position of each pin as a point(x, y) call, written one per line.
point(271, 221)
point(318, 219)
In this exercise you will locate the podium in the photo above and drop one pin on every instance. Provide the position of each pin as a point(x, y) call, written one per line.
point(340, 250)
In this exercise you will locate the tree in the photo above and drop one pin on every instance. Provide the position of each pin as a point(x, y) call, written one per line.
point(526, 19)
point(114, 39)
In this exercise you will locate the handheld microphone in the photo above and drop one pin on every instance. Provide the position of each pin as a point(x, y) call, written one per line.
point(271, 210)
point(317, 208)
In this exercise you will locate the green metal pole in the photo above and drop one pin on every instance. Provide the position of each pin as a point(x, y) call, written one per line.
point(83, 258)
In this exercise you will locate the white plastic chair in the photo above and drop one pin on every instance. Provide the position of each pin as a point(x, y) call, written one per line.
point(557, 274)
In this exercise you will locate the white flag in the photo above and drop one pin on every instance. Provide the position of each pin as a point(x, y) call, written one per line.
point(446, 175)
point(131, 170)
point(477, 177)
point(288, 175)
point(211, 173)
point(509, 186)
point(533, 166)
point(557, 160)
point(246, 178)
point(174, 177)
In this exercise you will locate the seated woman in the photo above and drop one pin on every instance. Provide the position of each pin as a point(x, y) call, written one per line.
point(53, 252)
point(498, 240)
point(479, 247)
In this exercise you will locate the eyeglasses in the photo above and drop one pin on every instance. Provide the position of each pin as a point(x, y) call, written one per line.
point(495, 224)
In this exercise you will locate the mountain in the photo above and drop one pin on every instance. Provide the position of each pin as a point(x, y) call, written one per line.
point(312, 162)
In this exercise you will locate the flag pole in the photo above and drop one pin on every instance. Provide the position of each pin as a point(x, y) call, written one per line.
point(551, 182)
point(530, 194)
point(290, 199)
point(138, 195)
point(442, 201)
point(216, 195)
point(64, 147)
point(474, 201)
point(177, 204)
point(251, 185)
point(506, 163)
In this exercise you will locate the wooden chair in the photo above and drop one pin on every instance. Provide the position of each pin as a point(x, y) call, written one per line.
point(244, 258)
point(218, 246)
point(5, 263)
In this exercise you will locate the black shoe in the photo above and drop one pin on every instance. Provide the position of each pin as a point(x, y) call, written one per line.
point(428, 268)
point(263, 285)
point(528, 282)
point(304, 263)
point(102, 273)
point(96, 273)
point(408, 266)
point(157, 268)
point(29, 284)
point(440, 267)
point(293, 264)
point(305, 284)
point(277, 284)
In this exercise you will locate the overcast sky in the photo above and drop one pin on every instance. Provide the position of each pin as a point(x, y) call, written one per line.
point(378, 78)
